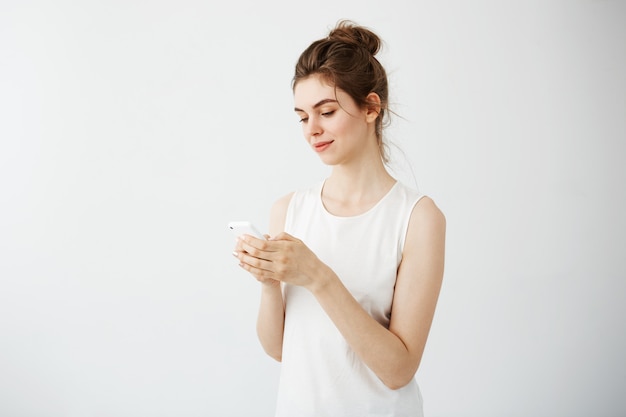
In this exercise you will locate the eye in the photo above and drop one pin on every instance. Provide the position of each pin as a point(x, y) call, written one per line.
point(328, 113)
point(303, 120)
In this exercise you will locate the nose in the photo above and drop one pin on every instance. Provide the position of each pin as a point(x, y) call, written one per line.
point(312, 127)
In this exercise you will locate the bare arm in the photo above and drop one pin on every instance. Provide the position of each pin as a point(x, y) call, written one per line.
point(394, 354)
point(271, 315)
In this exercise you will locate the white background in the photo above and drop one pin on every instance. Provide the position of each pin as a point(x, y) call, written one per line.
point(131, 132)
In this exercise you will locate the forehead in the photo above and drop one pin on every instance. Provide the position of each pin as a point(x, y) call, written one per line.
point(313, 89)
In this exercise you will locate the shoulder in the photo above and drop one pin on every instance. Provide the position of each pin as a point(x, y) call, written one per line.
point(281, 204)
point(278, 213)
point(425, 210)
point(280, 208)
point(427, 224)
point(422, 209)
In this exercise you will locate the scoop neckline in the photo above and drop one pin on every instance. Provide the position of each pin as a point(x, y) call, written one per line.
point(371, 209)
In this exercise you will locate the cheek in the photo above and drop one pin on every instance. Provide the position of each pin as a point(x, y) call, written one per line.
point(348, 128)
point(338, 126)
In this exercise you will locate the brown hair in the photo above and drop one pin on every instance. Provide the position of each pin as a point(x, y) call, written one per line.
point(345, 58)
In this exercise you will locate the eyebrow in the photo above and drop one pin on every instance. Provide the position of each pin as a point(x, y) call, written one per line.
point(318, 104)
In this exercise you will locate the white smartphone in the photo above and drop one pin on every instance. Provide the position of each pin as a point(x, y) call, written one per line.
point(244, 228)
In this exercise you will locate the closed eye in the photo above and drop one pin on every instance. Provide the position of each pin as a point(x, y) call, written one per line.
point(324, 114)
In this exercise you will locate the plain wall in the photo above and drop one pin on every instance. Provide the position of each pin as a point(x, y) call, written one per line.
point(131, 132)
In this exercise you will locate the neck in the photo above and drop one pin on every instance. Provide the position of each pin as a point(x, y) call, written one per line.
point(353, 189)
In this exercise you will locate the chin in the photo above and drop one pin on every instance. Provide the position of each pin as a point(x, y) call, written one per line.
point(328, 160)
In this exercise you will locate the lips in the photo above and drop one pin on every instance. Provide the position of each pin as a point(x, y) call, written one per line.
point(321, 146)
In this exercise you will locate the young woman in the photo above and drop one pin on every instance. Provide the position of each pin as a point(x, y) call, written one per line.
point(353, 268)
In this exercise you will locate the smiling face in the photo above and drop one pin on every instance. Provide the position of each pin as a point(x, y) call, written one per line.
point(332, 123)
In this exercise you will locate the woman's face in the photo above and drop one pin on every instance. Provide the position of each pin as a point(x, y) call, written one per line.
point(332, 123)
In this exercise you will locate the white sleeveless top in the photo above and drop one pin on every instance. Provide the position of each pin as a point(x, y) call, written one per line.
point(320, 374)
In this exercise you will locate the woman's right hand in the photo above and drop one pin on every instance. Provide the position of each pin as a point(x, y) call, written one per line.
point(240, 252)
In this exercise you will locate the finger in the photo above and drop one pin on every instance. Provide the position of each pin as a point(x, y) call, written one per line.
point(256, 247)
point(259, 274)
point(253, 262)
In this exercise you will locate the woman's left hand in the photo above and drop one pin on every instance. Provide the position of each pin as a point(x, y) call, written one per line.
point(283, 258)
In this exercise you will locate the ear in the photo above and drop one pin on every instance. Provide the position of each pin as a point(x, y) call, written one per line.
point(372, 107)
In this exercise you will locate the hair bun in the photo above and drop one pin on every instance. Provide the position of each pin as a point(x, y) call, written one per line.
point(353, 34)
